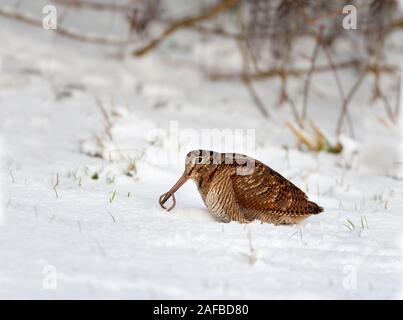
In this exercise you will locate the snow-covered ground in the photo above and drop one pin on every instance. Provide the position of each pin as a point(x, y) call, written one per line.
point(100, 233)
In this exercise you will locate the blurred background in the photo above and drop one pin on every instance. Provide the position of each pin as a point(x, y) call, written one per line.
point(100, 101)
point(300, 64)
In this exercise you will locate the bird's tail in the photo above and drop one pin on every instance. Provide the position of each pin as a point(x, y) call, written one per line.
point(313, 208)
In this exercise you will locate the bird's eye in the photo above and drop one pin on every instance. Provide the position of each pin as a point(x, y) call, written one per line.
point(199, 160)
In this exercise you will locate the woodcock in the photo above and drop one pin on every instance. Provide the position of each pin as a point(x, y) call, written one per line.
point(235, 187)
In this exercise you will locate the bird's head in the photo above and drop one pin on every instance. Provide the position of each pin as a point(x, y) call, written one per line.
point(197, 164)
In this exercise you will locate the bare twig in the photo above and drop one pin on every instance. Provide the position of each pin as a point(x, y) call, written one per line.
point(309, 75)
point(17, 4)
point(36, 212)
point(186, 22)
point(284, 97)
point(294, 110)
point(220, 32)
point(302, 138)
point(11, 175)
point(105, 115)
point(339, 86)
point(256, 99)
point(63, 16)
point(387, 105)
point(398, 97)
point(244, 50)
point(329, 15)
point(296, 72)
point(113, 218)
point(112, 197)
point(94, 5)
point(55, 184)
point(164, 197)
point(252, 251)
point(97, 39)
point(347, 100)
point(101, 249)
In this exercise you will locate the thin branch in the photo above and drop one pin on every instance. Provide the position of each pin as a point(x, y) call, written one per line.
point(347, 100)
point(394, 25)
point(93, 5)
point(11, 175)
point(334, 70)
point(55, 184)
point(106, 117)
point(378, 93)
point(220, 32)
point(297, 72)
point(252, 55)
point(398, 97)
point(63, 16)
point(186, 22)
point(97, 39)
point(294, 111)
point(339, 86)
point(338, 12)
point(113, 218)
point(256, 99)
point(247, 81)
point(387, 105)
point(309, 75)
point(252, 251)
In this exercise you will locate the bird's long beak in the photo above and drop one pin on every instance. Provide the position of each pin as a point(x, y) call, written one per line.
point(171, 192)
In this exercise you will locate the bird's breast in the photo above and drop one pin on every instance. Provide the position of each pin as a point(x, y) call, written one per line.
point(216, 197)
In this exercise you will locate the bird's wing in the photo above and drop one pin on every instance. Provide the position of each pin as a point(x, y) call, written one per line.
point(267, 190)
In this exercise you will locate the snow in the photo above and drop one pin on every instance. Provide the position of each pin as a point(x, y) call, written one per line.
point(1, 193)
point(100, 233)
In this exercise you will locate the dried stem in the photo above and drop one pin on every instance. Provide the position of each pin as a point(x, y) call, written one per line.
point(347, 100)
point(309, 75)
point(256, 99)
point(11, 175)
point(186, 22)
point(105, 115)
point(111, 215)
point(100, 40)
point(93, 5)
point(296, 72)
point(387, 105)
point(302, 138)
point(294, 110)
point(244, 50)
point(339, 86)
point(55, 184)
point(398, 97)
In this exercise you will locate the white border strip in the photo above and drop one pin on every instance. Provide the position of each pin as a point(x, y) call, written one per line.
point(2, 214)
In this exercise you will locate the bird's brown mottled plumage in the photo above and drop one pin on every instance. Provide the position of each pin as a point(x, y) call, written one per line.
point(235, 187)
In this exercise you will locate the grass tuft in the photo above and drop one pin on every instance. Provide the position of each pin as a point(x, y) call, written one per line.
point(112, 197)
point(349, 225)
